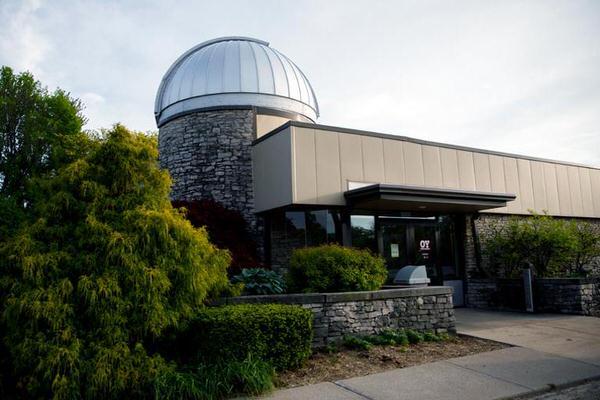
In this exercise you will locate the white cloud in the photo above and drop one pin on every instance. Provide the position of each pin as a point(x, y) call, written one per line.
point(512, 76)
point(21, 44)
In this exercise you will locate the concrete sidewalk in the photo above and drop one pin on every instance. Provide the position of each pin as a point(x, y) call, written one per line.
point(494, 375)
point(570, 336)
point(556, 350)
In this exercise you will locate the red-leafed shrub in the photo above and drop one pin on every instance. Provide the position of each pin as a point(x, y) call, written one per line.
point(226, 228)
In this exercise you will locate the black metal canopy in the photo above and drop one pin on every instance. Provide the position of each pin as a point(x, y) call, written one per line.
point(421, 198)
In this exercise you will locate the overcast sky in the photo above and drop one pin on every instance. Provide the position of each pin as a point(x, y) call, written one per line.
point(515, 76)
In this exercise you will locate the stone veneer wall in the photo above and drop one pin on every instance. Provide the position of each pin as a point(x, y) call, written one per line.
point(568, 296)
point(208, 155)
point(362, 313)
point(560, 295)
point(496, 294)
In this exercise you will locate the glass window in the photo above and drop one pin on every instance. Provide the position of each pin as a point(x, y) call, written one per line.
point(334, 227)
point(447, 246)
point(316, 222)
point(323, 226)
point(295, 226)
point(363, 232)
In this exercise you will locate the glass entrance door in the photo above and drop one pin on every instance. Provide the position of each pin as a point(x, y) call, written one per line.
point(419, 241)
point(394, 245)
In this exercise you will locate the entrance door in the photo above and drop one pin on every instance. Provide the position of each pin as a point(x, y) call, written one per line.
point(422, 241)
point(405, 242)
point(394, 245)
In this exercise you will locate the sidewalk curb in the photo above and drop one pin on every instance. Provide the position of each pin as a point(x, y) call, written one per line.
point(552, 388)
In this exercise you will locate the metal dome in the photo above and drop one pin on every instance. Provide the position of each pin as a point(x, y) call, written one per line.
point(234, 71)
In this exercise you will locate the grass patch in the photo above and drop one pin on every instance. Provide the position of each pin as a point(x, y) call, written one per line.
point(216, 381)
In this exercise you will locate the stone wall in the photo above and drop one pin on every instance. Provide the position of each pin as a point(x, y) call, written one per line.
point(559, 295)
point(495, 294)
point(568, 296)
point(363, 313)
point(208, 155)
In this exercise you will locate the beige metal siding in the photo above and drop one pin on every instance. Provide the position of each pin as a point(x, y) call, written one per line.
point(393, 159)
point(595, 182)
point(466, 170)
point(329, 184)
point(432, 166)
point(450, 168)
point(305, 167)
point(564, 190)
point(525, 184)
point(372, 159)
point(413, 164)
point(551, 187)
point(575, 185)
point(540, 199)
point(267, 123)
point(324, 161)
point(351, 159)
point(483, 179)
point(272, 171)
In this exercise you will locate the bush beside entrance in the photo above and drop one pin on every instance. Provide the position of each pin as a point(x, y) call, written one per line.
point(333, 268)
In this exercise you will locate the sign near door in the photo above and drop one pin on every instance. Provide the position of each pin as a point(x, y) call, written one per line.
point(424, 248)
point(394, 250)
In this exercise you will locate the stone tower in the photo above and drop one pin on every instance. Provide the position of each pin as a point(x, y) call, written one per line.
point(212, 103)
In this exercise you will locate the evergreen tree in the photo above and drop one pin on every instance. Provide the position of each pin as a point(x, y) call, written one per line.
point(103, 268)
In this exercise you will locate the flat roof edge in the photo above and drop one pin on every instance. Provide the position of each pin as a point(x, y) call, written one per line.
point(427, 191)
point(417, 141)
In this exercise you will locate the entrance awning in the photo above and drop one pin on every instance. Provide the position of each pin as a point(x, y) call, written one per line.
point(421, 198)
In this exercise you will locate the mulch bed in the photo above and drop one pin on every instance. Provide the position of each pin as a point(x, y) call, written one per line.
point(323, 367)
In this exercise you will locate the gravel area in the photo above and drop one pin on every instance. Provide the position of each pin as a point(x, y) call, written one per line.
point(322, 367)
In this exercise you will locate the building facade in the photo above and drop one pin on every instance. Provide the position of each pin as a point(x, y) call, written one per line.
point(237, 125)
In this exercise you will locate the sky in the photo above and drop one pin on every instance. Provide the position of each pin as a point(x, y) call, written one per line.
point(514, 76)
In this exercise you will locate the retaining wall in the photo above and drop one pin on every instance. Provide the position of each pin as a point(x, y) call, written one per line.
point(362, 313)
point(561, 295)
point(568, 296)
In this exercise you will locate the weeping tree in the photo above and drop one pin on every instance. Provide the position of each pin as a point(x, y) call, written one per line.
point(105, 266)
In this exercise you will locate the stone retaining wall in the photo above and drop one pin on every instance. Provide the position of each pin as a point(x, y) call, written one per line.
point(568, 296)
point(561, 295)
point(362, 313)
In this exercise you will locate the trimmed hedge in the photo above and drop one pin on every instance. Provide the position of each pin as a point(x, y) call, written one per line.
point(277, 333)
point(333, 268)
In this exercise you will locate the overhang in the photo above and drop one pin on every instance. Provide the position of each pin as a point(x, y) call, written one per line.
point(421, 198)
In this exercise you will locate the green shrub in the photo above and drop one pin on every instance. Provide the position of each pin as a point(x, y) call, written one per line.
point(553, 246)
point(396, 336)
point(414, 337)
point(333, 268)
point(431, 337)
point(392, 337)
point(215, 381)
point(278, 333)
point(260, 281)
point(356, 343)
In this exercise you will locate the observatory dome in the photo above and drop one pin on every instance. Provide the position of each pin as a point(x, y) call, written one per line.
point(234, 71)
